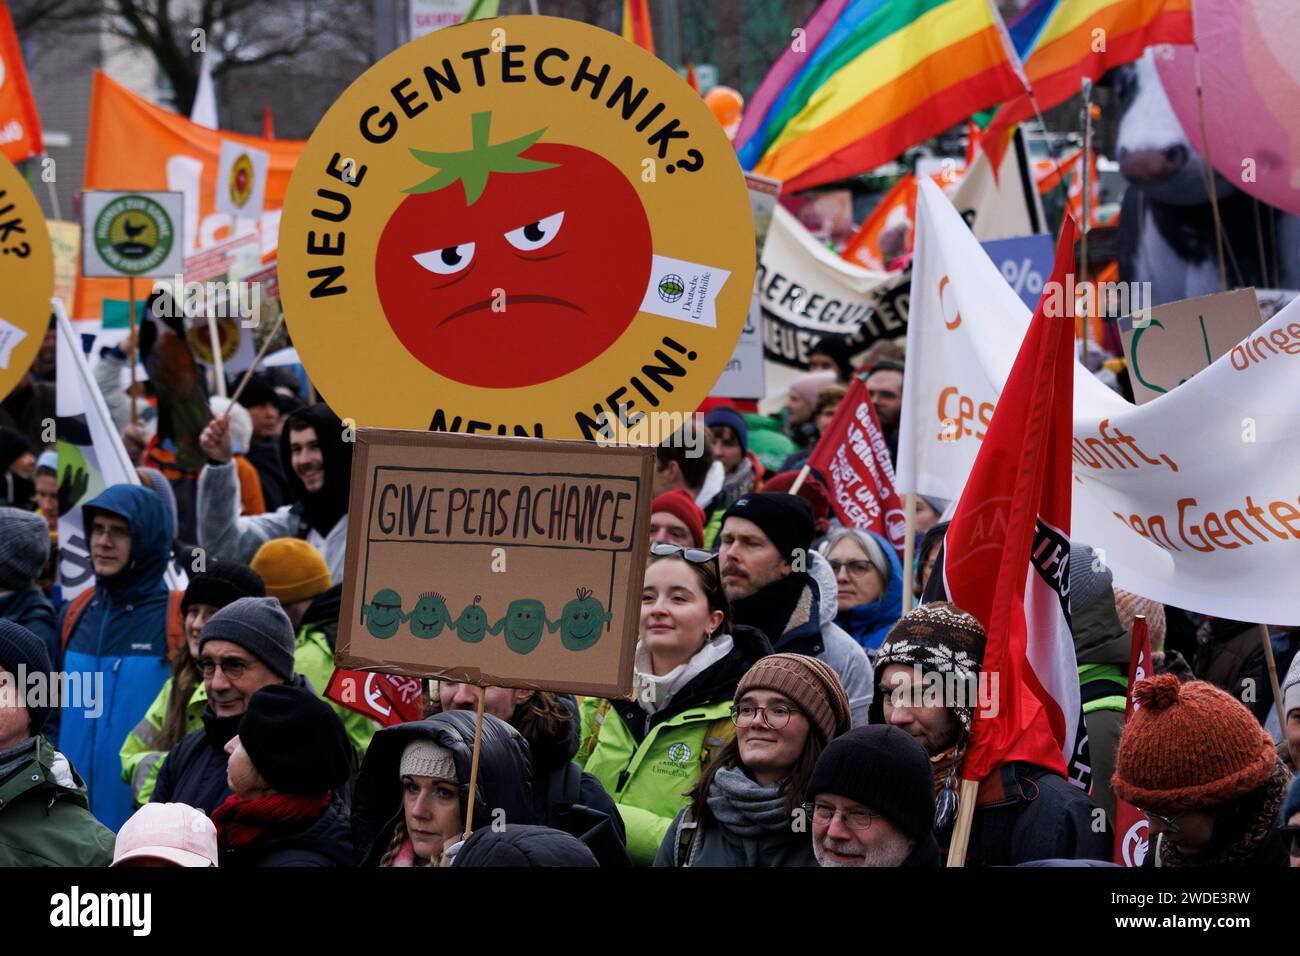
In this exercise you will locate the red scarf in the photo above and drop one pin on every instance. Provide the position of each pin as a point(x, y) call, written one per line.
point(240, 822)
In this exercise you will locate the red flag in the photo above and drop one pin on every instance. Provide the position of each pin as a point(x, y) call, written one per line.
point(1131, 827)
point(1007, 551)
point(387, 698)
point(20, 126)
point(854, 457)
point(268, 124)
point(636, 24)
point(690, 76)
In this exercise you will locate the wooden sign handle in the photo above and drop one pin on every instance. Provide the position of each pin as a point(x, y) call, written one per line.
point(473, 765)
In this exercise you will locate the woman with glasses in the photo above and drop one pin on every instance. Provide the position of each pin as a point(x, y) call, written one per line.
point(648, 753)
point(869, 578)
point(1198, 764)
point(747, 809)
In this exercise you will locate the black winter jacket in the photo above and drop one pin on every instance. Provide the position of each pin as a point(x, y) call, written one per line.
point(325, 842)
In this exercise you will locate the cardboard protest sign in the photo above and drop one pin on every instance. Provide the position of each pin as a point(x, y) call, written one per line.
point(524, 226)
point(742, 377)
point(1168, 344)
point(26, 277)
point(241, 180)
point(854, 457)
point(132, 235)
point(495, 561)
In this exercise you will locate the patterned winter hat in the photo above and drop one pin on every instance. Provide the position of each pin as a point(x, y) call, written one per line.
point(938, 637)
point(1127, 606)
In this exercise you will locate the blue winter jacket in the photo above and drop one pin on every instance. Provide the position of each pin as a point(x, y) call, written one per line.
point(120, 634)
point(869, 623)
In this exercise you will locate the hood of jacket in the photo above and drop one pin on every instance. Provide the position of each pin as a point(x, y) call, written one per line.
point(504, 775)
point(151, 538)
point(44, 772)
point(868, 623)
point(527, 846)
point(1099, 637)
point(323, 613)
point(323, 509)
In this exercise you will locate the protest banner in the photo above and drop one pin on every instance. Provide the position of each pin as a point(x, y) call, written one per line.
point(854, 457)
point(425, 16)
point(20, 125)
point(807, 291)
point(546, 238)
point(742, 377)
point(26, 277)
point(1191, 500)
point(495, 561)
point(134, 144)
point(1168, 344)
point(1131, 828)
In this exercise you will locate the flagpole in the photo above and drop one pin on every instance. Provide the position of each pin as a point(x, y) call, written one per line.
point(130, 359)
point(218, 366)
point(1087, 211)
point(1272, 676)
point(473, 765)
point(965, 815)
point(54, 193)
point(909, 548)
point(799, 480)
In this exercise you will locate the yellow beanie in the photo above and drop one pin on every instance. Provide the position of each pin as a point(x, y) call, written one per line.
point(292, 569)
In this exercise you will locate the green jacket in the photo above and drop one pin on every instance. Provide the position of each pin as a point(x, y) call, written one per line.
point(648, 765)
point(141, 758)
point(45, 818)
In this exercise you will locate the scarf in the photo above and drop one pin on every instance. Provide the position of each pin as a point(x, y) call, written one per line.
point(769, 608)
point(405, 855)
point(737, 484)
point(11, 758)
point(654, 691)
point(240, 822)
point(1241, 847)
point(744, 807)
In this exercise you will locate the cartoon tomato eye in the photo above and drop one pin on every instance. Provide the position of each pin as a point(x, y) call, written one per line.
point(447, 261)
point(535, 234)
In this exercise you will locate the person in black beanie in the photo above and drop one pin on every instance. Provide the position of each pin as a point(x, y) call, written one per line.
point(266, 409)
point(832, 354)
point(871, 800)
point(778, 584)
point(45, 819)
point(246, 646)
point(288, 765)
point(178, 708)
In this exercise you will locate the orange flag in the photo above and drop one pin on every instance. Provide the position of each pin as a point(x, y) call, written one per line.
point(134, 144)
point(20, 127)
point(636, 24)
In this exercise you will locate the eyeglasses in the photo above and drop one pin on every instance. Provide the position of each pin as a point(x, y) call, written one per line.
point(776, 716)
point(109, 531)
point(1291, 840)
point(856, 820)
point(233, 667)
point(1167, 822)
point(662, 549)
point(855, 568)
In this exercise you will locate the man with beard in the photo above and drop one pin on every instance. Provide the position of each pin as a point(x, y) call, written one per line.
point(318, 467)
point(871, 801)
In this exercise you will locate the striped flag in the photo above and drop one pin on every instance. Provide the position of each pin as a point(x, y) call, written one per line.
point(636, 24)
point(866, 79)
point(1006, 555)
point(1062, 41)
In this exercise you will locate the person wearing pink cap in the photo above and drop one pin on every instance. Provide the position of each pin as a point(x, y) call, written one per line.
point(166, 834)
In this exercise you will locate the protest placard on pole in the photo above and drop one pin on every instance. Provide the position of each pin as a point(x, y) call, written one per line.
point(546, 239)
point(26, 276)
point(490, 561)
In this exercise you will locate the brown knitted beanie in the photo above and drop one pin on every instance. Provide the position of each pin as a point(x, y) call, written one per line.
point(812, 684)
point(1189, 747)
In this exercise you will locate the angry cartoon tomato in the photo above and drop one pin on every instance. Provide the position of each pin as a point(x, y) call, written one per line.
point(515, 263)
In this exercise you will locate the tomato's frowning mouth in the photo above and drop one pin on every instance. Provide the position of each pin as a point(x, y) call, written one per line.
point(494, 305)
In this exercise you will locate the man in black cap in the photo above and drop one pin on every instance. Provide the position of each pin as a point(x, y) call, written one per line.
point(778, 584)
point(872, 802)
point(245, 646)
point(265, 408)
point(317, 458)
point(45, 819)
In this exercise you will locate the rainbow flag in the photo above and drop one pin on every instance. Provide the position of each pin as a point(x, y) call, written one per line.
point(866, 79)
point(1062, 41)
point(636, 24)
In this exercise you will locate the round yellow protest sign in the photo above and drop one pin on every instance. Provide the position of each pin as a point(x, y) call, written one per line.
point(518, 226)
point(26, 277)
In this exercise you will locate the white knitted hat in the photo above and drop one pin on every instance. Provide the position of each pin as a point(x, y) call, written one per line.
point(424, 758)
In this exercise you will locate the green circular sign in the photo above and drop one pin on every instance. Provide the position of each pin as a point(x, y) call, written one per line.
point(134, 234)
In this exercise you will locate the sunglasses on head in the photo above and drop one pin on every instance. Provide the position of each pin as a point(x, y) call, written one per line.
point(662, 549)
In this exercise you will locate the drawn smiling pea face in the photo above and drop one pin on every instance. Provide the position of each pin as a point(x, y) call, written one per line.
point(472, 624)
point(581, 621)
point(524, 623)
point(429, 616)
point(383, 615)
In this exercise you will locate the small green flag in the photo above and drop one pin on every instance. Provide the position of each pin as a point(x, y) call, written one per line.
point(483, 9)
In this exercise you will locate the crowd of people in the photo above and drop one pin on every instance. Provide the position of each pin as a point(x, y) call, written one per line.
point(780, 717)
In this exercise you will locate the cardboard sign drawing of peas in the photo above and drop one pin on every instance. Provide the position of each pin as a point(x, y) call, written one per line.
point(516, 240)
point(524, 622)
point(472, 625)
point(581, 621)
point(429, 616)
point(383, 615)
